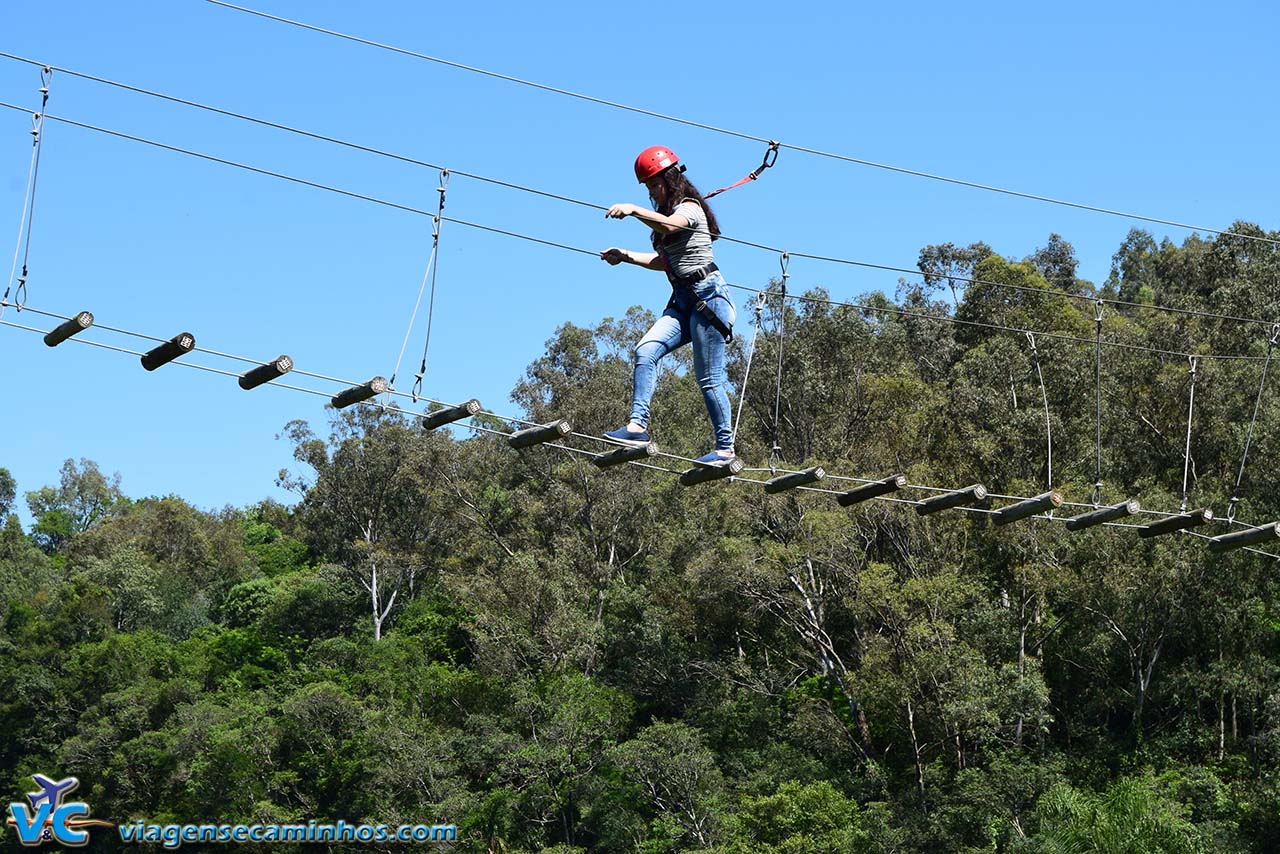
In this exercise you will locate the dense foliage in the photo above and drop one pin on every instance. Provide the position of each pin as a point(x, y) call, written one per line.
point(557, 658)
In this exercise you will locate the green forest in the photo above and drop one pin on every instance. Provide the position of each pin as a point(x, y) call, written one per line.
point(560, 658)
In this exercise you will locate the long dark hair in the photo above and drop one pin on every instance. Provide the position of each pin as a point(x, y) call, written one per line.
point(680, 188)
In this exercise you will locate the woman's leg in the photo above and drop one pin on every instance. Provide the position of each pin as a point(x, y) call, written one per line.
point(709, 368)
point(665, 335)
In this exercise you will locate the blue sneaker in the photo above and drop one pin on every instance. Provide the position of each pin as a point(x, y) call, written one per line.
point(623, 436)
point(714, 459)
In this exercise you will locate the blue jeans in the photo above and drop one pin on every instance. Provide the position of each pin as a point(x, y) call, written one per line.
point(681, 324)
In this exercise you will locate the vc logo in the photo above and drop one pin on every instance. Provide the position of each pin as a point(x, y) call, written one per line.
point(48, 818)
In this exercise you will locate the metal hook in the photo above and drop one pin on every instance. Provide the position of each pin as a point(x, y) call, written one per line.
point(444, 185)
point(784, 259)
point(1098, 308)
point(770, 158)
point(1275, 334)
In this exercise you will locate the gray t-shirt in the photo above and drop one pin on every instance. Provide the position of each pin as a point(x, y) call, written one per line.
point(687, 250)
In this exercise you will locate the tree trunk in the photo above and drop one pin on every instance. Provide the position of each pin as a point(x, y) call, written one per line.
point(373, 601)
point(915, 749)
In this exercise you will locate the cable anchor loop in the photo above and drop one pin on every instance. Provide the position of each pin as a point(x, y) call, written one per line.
point(1231, 505)
point(416, 391)
point(1099, 306)
point(20, 295)
point(439, 217)
point(1096, 496)
point(1275, 335)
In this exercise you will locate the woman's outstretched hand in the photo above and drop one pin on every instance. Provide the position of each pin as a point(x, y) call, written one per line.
point(614, 255)
point(621, 210)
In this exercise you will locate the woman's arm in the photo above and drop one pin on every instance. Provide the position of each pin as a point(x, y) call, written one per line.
point(615, 256)
point(658, 222)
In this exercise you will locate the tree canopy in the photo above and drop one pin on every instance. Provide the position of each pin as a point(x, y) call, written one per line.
point(559, 658)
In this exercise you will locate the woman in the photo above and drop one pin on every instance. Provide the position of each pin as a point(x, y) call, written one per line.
point(699, 312)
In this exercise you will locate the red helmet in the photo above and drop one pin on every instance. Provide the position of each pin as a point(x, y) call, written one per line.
point(653, 160)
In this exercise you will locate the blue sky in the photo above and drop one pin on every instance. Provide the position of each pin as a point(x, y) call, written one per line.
point(1160, 109)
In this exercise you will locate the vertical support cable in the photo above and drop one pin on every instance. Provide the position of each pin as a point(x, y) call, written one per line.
point(775, 452)
point(431, 302)
point(751, 352)
point(1235, 491)
point(1044, 396)
point(1099, 307)
point(29, 200)
point(429, 272)
point(1186, 457)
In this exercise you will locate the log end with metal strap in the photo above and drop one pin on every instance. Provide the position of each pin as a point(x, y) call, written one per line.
point(1177, 523)
point(1248, 537)
point(178, 345)
point(539, 435)
point(1104, 514)
point(65, 330)
point(960, 498)
point(272, 370)
point(871, 490)
point(624, 455)
point(450, 414)
point(702, 474)
point(1013, 512)
point(359, 393)
point(791, 481)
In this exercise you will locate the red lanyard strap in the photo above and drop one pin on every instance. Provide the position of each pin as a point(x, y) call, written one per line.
point(770, 157)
